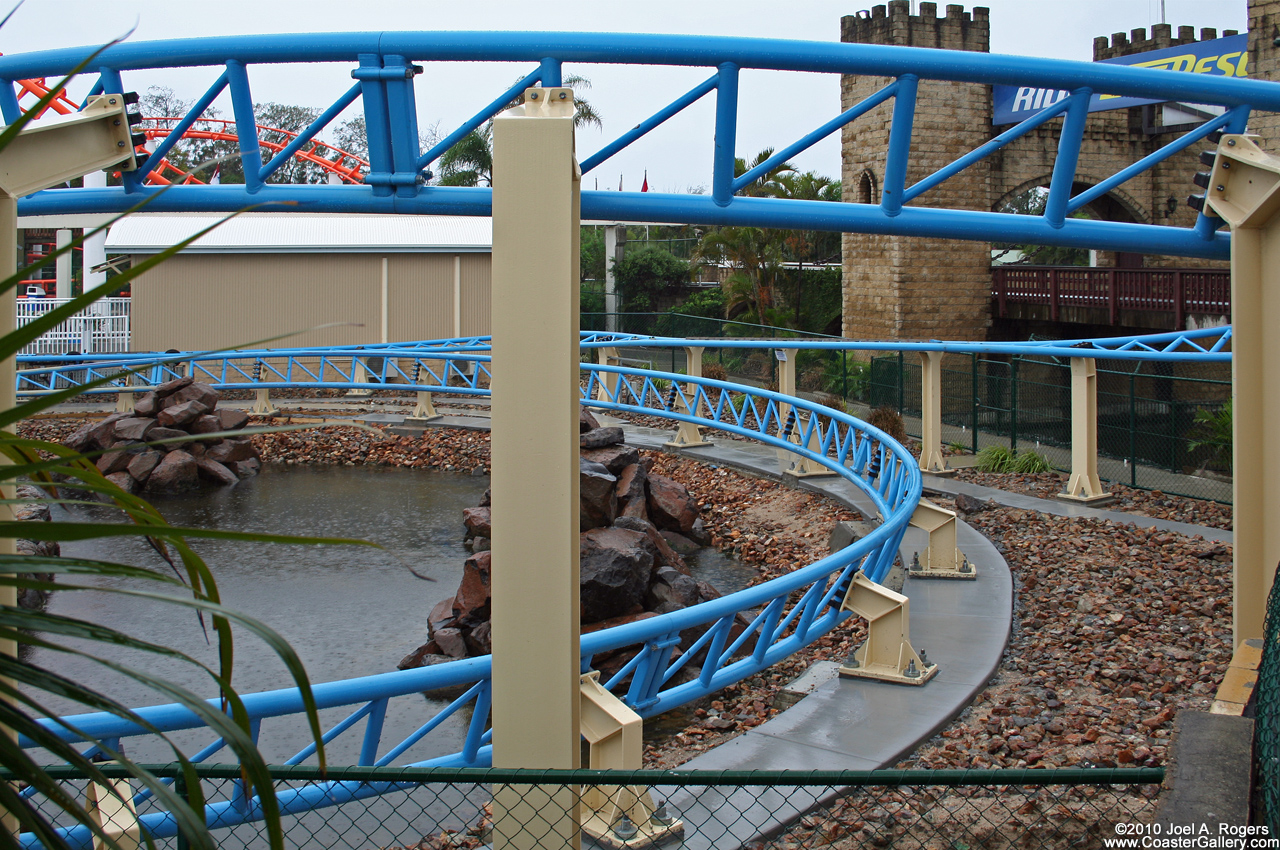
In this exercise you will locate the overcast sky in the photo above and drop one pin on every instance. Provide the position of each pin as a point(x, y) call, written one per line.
point(776, 108)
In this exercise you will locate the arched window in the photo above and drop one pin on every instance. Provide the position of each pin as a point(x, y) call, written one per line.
point(866, 193)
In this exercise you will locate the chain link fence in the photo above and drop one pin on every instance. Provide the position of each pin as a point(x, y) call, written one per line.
point(1266, 719)
point(365, 808)
point(1161, 426)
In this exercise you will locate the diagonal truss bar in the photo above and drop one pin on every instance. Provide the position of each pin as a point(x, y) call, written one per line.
point(661, 116)
point(816, 136)
point(1064, 167)
point(495, 106)
point(308, 134)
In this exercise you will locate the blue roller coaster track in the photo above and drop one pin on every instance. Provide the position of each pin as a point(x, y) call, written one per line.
point(786, 613)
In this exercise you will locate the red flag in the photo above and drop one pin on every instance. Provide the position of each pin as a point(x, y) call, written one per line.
point(644, 187)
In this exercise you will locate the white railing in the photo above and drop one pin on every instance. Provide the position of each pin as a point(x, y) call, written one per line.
point(103, 328)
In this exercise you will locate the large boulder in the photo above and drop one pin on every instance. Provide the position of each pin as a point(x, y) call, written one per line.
point(479, 522)
point(597, 499)
point(613, 458)
point(471, 605)
point(182, 414)
point(176, 473)
point(601, 437)
point(231, 420)
point(632, 493)
point(670, 505)
point(202, 393)
point(667, 556)
point(232, 450)
point(143, 463)
point(672, 586)
point(94, 435)
point(134, 428)
point(614, 571)
point(168, 388)
point(211, 470)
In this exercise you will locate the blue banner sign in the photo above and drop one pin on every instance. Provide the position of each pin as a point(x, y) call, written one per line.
point(1219, 57)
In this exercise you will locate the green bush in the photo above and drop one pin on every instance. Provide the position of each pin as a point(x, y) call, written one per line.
point(1002, 459)
point(645, 275)
point(1214, 430)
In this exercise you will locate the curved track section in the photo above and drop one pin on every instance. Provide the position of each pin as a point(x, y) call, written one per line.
point(785, 614)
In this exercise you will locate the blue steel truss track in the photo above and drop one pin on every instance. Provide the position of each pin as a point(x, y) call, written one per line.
point(385, 64)
point(785, 614)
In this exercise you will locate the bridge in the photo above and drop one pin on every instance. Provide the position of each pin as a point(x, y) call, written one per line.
point(536, 348)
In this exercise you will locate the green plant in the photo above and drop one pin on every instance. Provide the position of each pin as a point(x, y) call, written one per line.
point(890, 421)
point(25, 686)
point(994, 459)
point(645, 275)
point(1214, 430)
point(957, 447)
point(1030, 462)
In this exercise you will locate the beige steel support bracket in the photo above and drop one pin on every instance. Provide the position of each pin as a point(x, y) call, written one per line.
point(124, 400)
point(262, 405)
point(424, 409)
point(688, 435)
point(1084, 485)
point(791, 464)
point(931, 459)
point(801, 466)
point(534, 439)
point(359, 375)
point(886, 655)
point(111, 808)
point(1244, 189)
point(942, 558)
point(615, 735)
point(608, 380)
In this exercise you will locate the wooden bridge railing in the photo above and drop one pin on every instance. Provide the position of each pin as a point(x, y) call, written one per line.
point(1175, 291)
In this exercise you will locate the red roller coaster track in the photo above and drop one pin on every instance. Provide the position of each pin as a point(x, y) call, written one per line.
point(347, 166)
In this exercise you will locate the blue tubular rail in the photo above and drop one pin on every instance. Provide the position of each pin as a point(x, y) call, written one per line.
point(795, 609)
point(385, 65)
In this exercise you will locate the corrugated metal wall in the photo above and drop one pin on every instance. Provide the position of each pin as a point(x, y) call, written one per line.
point(212, 301)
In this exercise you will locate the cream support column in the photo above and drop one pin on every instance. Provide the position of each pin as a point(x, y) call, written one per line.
point(610, 282)
point(1084, 486)
point(931, 459)
point(535, 463)
point(1244, 189)
point(62, 266)
point(688, 435)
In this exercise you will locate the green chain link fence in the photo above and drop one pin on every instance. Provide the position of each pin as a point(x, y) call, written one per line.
point(1266, 719)
point(425, 809)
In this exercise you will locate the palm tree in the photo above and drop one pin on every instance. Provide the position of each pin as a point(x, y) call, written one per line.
point(768, 185)
point(470, 161)
point(755, 254)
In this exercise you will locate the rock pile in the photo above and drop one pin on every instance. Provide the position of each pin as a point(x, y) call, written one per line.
point(174, 411)
point(37, 510)
point(635, 528)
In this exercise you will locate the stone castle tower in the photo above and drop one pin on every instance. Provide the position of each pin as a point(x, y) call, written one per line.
point(892, 283)
point(898, 287)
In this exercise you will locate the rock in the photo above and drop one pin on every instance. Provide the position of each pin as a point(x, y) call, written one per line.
point(93, 436)
point(174, 474)
point(670, 505)
point(586, 422)
point(181, 414)
point(203, 393)
point(672, 586)
point(471, 605)
point(681, 544)
point(479, 522)
point(588, 628)
point(598, 501)
point(429, 655)
point(116, 460)
point(233, 449)
point(666, 555)
point(631, 492)
point(244, 468)
point(134, 428)
point(142, 464)
point(451, 642)
point(168, 388)
point(614, 571)
point(232, 420)
point(211, 470)
point(699, 534)
point(124, 481)
point(441, 615)
point(613, 458)
point(601, 437)
point(146, 405)
point(970, 505)
point(480, 639)
point(479, 544)
point(206, 424)
point(158, 433)
point(487, 499)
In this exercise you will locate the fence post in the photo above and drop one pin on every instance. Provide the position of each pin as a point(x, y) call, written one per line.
point(1013, 404)
point(973, 385)
point(535, 601)
point(1133, 430)
point(931, 459)
point(902, 381)
point(1084, 485)
point(1179, 302)
point(1113, 302)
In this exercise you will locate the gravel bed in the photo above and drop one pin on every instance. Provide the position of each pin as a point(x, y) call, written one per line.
point(1148, 503)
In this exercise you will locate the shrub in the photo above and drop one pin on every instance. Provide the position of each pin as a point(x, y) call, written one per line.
point(995, 459)
point(1213, 430)
point(1030, 462)
point(715, 372)
point(890, 421)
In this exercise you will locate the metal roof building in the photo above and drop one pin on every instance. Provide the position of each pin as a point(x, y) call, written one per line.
point(377, 278)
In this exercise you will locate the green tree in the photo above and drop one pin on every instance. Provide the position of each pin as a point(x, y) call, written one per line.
point(1032, 202)
point(755, 255)
point(646, 275)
